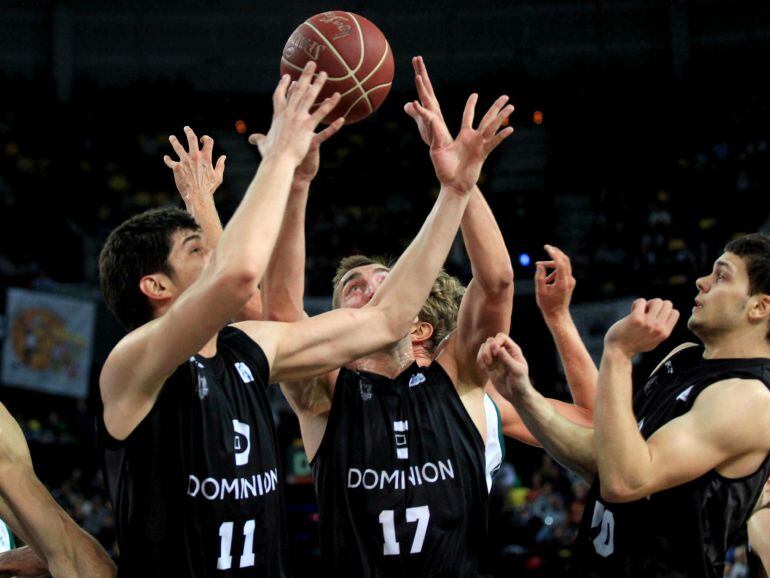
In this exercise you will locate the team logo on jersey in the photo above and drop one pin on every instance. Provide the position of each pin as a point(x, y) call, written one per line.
point(244, 372)
point(669, 367)
point(202, 386)
point(685, 394)
point(399, 430)
point(365, 388)
point(416, 379)
point(242, 442)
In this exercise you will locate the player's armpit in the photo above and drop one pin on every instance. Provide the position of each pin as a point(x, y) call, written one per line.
point(711, 436)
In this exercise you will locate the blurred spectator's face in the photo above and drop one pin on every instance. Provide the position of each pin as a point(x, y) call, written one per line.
point(189, 255)
point(723, 299)
point(358, 285)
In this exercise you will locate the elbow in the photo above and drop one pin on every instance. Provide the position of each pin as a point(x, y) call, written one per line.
point(238, 284)
point(616, 493)
point(499, 287)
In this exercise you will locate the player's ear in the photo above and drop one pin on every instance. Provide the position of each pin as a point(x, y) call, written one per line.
point(156, 287)
point(760, 311)
point(421, 332)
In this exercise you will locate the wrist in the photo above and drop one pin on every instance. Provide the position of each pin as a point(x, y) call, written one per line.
point(556, 317)
point(614, 352)
point(282, 159)
point(300, 185)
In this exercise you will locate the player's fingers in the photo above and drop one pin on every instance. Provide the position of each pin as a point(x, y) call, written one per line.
point(192, 140)
point(208, 146)
point(279, 94)
point(169, 163)
point(177, 146)
point(637, 307)
point(491, 114)
point(256, 138)
point(654, 307)
point(329, 131)
point(561, 258)
point(303, 86)
point(673, 317)
point(219, 169)
point(470, 109)
point(498, 120)
point(426, 98)
point(326, 107)
point(425, 77)
point(498, 138)
point(311, 95)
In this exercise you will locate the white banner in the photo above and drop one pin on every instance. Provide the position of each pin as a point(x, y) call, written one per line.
point(48, 342)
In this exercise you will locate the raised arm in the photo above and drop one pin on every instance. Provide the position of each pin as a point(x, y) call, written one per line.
point(329, 341)
point(283, 286)
point(568, 443)
point(140, 363)
point(706, 437)
point(31, 512)
point(197, 179)
point(553, 293)
point(486, 307)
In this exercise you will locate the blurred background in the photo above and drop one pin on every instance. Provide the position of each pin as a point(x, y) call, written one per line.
point(641, 148)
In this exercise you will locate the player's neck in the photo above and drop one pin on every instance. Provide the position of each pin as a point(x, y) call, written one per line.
point(389, 362)
point(422, 356)
point(210, 349)
point(744, 346)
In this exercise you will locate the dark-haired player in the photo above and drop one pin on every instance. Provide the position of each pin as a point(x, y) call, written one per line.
point(678, 468)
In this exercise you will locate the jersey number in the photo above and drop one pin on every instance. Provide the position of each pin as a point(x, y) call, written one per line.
point(225, 561)
point(604, 543)
point(420, 514)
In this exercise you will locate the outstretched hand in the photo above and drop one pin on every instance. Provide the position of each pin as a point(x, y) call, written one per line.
point(195, 175)
point(505, 365)
point(458, 161)
point(293, 127)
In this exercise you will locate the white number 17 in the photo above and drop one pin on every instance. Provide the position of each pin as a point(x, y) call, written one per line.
point(420, 514)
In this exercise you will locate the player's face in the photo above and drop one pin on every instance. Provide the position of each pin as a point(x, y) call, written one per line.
point(358, 285)
point(189, 255)
point(722, 303)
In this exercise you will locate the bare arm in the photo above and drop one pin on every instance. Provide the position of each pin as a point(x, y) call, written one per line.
point(33, 514)
point(553, 293)
point(759, 537)
point(514, 426)
point(569, 444)
point(284, 281)
point(21, 562)
point(486, 307)
point(137, 367)
point(707, 437)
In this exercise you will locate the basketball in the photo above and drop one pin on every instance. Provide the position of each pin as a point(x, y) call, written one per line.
point(353, 52)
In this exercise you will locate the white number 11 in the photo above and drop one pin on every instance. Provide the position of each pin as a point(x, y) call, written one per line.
point(420, 514)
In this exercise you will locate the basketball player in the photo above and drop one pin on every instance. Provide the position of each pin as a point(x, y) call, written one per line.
point(194, 490)
point(677, 470)
point(57, 544)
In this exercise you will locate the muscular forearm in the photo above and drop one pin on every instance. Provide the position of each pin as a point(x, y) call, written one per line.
point(204, 211)
point(250, 236)
point(622, 456)
point(407, 286)
point(490, 262)
point(579, 368)
point(283, 287)
point(569, 444)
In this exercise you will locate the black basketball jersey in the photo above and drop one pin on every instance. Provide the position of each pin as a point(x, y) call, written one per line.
point(196, 487)
point(400, 477)
point(682, 532)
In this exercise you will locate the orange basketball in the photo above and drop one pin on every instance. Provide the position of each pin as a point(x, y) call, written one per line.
point(355, 55)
